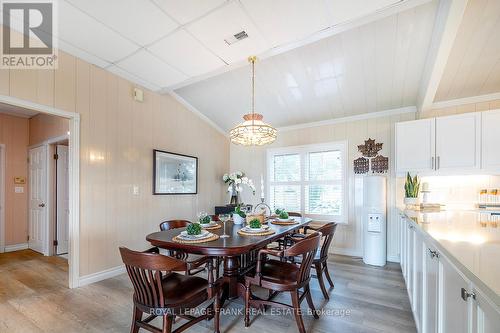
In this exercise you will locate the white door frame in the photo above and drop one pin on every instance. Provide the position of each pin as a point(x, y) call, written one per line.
point(2, 198)
point(74, 179)
point(49, 196)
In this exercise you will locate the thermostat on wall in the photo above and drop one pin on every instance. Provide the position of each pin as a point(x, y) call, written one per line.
point(138, 95)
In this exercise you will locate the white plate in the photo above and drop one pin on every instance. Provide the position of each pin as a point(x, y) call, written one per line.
point(204, 234)
point(285, 220)
point(208, 225)
point(261, 229)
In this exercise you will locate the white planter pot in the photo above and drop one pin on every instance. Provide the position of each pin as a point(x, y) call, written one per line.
point(412, 201)
point(238, 219)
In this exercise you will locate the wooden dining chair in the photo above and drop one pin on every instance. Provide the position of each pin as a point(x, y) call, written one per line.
point(193, 261)
point(278, 276)
point(320, 261)
point(161, 292)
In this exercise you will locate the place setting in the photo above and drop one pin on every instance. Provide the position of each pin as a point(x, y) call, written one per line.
point(255, 227)
point(199, 232)
point(282, 218)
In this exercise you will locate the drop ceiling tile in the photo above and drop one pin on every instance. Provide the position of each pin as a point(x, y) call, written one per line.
point(185, 53)
point(78, 28)
point(82, 54)
point(132, 78)
point(226, 21)
point(149, 68)
point(296, 20)
point(187, 10)
point(139, 20)
point(341, 11)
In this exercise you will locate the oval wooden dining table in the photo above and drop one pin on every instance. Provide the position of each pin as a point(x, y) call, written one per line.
point(234, 249)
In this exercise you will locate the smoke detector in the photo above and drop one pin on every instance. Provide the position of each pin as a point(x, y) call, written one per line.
point(236, 37)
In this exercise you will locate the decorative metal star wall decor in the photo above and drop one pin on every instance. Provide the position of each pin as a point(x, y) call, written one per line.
point(361, 165)
point(380, 164)
point(370, 148)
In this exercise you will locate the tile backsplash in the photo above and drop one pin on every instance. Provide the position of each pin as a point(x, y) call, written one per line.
point(456, 192)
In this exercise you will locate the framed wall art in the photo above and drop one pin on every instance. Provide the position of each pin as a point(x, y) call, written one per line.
point(174, 173)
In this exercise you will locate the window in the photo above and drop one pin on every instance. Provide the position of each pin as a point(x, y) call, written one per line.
point(309, 179)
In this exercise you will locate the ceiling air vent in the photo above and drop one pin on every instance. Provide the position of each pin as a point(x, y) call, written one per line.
point(236, 37)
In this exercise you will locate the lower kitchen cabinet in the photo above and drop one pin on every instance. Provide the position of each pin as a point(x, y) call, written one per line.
point(442, 298)
point(430, 269)
point(453, 306)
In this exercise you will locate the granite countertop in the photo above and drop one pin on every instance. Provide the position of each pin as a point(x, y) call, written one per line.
point(468, 242)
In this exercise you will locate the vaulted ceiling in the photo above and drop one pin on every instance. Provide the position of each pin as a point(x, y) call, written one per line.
point(473, 67)
point(319, 59)
point(370, 68)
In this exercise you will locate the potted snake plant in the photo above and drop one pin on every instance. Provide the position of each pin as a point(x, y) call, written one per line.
point(412, 190)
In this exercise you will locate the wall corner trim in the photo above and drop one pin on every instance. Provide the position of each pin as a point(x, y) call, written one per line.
point(363, 116)
point(102, 275)
point(194, 110)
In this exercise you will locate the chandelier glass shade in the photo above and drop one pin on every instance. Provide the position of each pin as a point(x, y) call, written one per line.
point(253, 131)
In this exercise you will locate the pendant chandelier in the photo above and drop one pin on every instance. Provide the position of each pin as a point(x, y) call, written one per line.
point(253, 131)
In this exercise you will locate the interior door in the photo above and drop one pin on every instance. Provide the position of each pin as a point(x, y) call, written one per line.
point(415, 146)
point(38, 199)
point(458, 142)
point(62, 199)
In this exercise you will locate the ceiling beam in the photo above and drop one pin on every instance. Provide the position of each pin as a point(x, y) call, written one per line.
point(401, 6)
point(448, 18)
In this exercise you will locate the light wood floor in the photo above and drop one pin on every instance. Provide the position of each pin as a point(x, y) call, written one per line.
point(34, 298)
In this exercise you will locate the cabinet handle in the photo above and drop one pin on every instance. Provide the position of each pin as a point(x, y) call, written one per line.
point(465, 294)
point(432, 162)
point(438, 162)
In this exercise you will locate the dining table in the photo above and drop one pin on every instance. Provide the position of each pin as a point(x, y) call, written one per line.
point(238, 251)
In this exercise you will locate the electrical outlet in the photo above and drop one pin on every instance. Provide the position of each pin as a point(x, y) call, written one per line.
point(135, 190)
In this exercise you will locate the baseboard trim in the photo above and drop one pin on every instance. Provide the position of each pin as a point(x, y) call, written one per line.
point(393, 258)
point(16, 247)
point(346, 252)
point(102, 275)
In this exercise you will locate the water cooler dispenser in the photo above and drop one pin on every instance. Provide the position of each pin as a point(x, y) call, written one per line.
point(375, 220)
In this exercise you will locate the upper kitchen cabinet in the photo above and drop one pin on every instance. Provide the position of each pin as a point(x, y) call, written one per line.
point(458, 142)
point(490, 141)
point(415, 146)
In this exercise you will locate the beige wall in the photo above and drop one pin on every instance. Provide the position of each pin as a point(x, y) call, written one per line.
point(465, 108)
point(349, 236)
point(117, 139)
point(43, 127)
point(14, 135)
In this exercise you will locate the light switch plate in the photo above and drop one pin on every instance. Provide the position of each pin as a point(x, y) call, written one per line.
point(135, 190)
point(18, 189)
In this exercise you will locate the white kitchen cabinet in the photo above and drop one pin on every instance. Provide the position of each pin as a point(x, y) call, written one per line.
point(430, 267)
point(453, 309)
point(458, 142)
point(415, 146)
point(410, 259)
point(490, 140)
point(486, 315)
point(418, 245)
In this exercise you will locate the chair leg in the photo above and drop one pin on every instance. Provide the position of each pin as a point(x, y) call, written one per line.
point(137, 316)
point(167, 324)
point(319, 274)
point(296, 311)
point(327, 274)
point(247, 305)
point(309, 299)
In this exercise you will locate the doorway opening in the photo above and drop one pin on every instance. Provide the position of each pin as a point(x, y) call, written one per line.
point(39, 186)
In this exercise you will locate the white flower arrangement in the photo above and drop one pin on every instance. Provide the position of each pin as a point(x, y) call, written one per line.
point(237, 180)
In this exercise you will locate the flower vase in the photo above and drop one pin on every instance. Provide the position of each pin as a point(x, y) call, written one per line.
point(235, 196)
